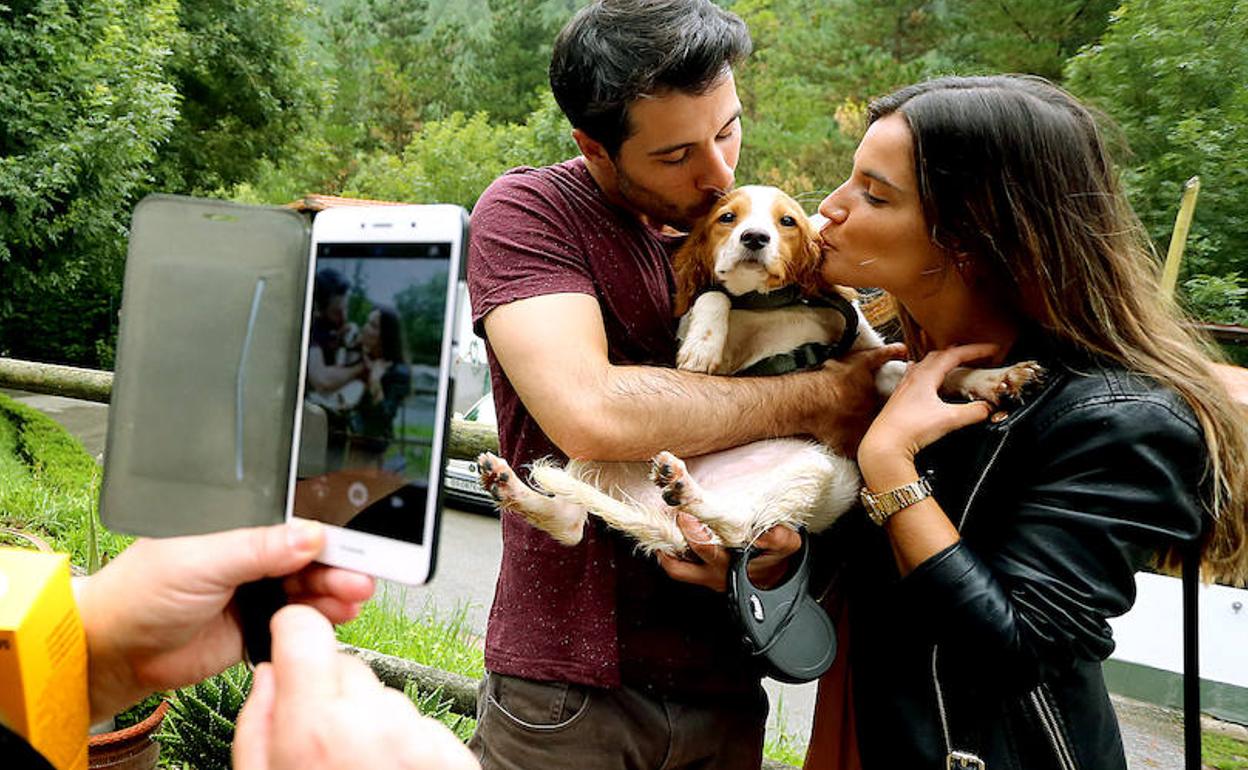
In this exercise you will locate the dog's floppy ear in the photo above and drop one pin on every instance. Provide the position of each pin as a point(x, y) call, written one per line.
point(805, 268)
point(692, 268)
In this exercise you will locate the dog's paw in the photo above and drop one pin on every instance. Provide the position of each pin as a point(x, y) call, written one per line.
point(498, 478)
point(1007, 383)
point(700, 355)
point(888, 376)
point(669, 473)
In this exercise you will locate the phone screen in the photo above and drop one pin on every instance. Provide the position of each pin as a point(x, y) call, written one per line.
point(366, 458)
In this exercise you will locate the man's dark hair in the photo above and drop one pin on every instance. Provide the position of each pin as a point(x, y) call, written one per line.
point(329, 284)
point(615, 51)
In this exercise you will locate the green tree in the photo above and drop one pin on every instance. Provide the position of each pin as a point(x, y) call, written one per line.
point(815, 66)
point(84, 105)
point(511, 60)
point(1172, 74)
point(454, 160)
point(420, 309)
point(394, 69)
point(248, 85)
point(1023, 35)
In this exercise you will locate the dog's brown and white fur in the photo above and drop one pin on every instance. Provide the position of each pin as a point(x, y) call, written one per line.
point(756, 239)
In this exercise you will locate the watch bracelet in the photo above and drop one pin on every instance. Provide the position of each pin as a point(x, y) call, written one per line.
point(880, 507)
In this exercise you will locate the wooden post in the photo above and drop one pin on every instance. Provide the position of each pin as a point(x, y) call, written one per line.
point(1178, 240)
point(56, 380)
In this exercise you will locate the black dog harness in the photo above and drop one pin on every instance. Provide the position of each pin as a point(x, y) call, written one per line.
point(805, 356)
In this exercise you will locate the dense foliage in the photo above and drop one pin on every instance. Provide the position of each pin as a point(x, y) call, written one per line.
point(84, 103)
point(264, 101)
point(1174, 76)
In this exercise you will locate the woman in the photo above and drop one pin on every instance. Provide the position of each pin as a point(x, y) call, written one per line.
point(988, 209)
point(388, 382)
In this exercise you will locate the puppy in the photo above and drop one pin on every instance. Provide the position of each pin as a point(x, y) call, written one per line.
point(750, 302)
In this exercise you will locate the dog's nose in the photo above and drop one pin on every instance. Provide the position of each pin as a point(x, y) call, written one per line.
point(755, 239)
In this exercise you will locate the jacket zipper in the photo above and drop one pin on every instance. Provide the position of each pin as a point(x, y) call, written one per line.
point(1048, 718)
point(966, 509)
point(1044, 710)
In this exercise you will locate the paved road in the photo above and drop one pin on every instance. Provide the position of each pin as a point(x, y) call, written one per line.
point(468, 566)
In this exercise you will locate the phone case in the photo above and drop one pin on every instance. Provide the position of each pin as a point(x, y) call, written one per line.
point(202, 410)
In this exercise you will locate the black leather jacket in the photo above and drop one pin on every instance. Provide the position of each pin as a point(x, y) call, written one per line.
point(994, 646)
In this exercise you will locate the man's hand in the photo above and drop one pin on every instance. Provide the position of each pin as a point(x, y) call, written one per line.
point(711, 568)
point(849, 401)
point(314, 708)
point(159, 616)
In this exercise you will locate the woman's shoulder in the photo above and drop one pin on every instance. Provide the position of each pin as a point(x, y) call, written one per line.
point(1105, 393)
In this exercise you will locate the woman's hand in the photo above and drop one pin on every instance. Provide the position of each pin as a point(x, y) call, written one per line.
point(915, 416)
point(160, 615)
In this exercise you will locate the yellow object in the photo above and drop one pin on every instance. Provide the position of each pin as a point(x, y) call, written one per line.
point(1178, 239)
point(43, 657)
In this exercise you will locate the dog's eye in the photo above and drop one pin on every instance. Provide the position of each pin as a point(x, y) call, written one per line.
point(727, 217)
point(788, 221)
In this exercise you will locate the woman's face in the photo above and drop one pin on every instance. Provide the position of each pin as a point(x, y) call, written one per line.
point(370, 335)
point(876, 235)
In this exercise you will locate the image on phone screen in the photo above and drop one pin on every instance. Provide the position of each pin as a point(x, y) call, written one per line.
point(367, 458)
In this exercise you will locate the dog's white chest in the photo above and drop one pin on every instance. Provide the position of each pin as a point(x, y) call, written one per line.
point(757, 334)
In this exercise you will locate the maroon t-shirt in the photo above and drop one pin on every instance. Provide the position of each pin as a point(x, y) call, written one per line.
point(597, 613)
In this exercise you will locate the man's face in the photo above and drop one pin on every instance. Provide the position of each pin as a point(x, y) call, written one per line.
point(336, 310)
point(682, 154)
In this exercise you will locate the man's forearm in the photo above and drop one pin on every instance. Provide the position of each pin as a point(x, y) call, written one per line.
point(635, 412)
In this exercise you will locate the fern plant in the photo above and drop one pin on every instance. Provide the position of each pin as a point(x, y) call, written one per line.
point(199, 727)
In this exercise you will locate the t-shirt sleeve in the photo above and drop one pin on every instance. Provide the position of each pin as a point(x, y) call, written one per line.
point(522, 245)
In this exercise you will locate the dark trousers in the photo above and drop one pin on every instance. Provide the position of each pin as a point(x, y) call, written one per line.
point(528, 725)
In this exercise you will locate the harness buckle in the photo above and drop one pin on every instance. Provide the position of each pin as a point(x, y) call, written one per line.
point(964, 760)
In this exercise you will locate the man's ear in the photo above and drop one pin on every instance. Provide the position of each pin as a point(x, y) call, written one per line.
point(595, 153)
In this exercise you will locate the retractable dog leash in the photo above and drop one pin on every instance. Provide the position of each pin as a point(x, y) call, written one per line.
point(783, 627)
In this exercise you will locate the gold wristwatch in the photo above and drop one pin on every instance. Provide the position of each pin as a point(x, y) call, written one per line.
point(881, 506)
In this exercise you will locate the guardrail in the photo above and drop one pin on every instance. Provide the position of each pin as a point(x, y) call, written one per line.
point(466, 441)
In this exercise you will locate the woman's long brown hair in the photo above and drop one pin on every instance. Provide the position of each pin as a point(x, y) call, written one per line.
point(1014, 175)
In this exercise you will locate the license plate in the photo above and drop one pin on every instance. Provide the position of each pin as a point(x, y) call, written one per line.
point(462, 485)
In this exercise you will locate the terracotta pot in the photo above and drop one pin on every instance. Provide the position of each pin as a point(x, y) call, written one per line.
point(130, 749)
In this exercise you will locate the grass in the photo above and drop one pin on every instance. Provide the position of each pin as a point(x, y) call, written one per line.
point(49, 485)
point(1223, 753)
point(781, 745)
point(431, 638)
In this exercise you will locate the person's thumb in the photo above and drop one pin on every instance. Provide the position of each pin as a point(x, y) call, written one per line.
point(969, 414)
point(243, 555)
point(254, 727)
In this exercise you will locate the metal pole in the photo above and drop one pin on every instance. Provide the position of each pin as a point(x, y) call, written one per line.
point(1191, 659)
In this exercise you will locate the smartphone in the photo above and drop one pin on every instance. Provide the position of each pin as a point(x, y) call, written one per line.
point(373, 416)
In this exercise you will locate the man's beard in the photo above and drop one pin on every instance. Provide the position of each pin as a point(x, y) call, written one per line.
point(659, 209)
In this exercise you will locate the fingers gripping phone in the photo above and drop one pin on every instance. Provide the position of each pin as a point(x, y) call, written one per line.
point(372, 418)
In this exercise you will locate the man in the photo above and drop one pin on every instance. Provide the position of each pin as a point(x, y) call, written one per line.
point(597, 658)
